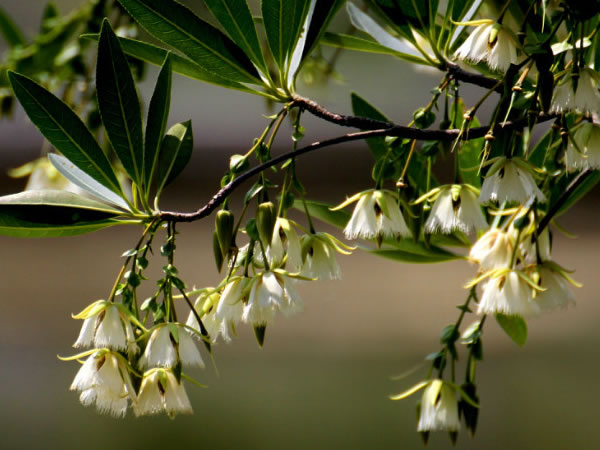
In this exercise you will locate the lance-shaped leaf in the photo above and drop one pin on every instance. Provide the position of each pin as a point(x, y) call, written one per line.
point(175, 153)
point(119, 104)
point(283, 20)
point(423, 255)
point(180, 64)
point(324, 11)
point(11, 33)
point(236, 19)
point(296, 55)
point(514, 326)
point(81, 179)
point(64, 130)
point(51, 213)
point(177, 26)
point(158, 113)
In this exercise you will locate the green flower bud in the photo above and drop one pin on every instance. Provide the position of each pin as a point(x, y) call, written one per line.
point(423, 118)
point(217, 252)
point(266, 215)
point(238, 164)
point(224, 223)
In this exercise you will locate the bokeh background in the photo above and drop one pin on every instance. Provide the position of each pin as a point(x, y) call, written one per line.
point(323, 378)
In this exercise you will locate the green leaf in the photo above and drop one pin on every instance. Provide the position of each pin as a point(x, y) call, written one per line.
point(84, 181)
point(53, 213)
point(283, 20)
point(362, 108)
point(180, 64)
point(119, 104)
point(348, 42)
point(236, 19)
point(158, 114)
point(177, 26)
point(514, 326)
point(322, 212)
point(64, 130)
point(586, 186)
point(418, 255)
point(296, 54)
point(175, 153)
point(323, 13)
point(10, 31)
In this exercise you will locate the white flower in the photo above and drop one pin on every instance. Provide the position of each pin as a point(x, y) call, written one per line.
point(439, 408)
point(104, 380)
point(318, 253)
point(490, 42)
point(168, 345)
point(161, 391)
point(271, 292)
point(285, 241)
point(510, 180)
point(493, 250)
point(231, 304)
point(585, 99)
point(507, 293)
point(206, 307)
point(105, 325)
point(557, 293)
point(583, 151)
point(530, 249)
point(376, 215)
point(455, 208)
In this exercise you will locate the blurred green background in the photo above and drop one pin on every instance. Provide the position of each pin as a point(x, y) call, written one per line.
point(323, 378)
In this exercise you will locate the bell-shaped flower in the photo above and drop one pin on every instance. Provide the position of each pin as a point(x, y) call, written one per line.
point(162, 391)
point(234, 297)
point(271, 291)
point(583, 151)
point(318, 254)
point(493, 250)
point(439, 408)
point(510, 180)
point(106, 324)
point(285, 241)
point(206, 307)
point(455, 207)
point(585, 98)
point(508, 292)
point(170, 344)
point(104, 380)
point(490, 42)
point(555, 282)
point(376, 215)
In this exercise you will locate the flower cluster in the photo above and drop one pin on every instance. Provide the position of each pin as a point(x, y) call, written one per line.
point(490, 42)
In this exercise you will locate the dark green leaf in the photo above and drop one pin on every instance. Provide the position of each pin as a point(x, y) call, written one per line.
point(175, 153)
point(586, 186)
point(158, 114)
point(184, 66)
point(323, 13)
point(362, 108)
point(236, 19)
point(426, 256)
point(514, 326)
point(64, 130)
point(119, 104)
point(53, 213)
point(283, 20)
point(177, 26)
point(10, 31)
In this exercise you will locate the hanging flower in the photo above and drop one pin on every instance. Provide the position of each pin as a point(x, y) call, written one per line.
point(106, 324)
point(104, 380)
point(234, 297)
point(493, 250)
point(455, 207)
point(376, 215)
point(285, 241)
point(490, 42)
point(206, 307)
point(510, 180)
point(169, 345)
point(162, 391)
point(271, 291)
point(318, 254)
point(585, 98)
point(508, 292)
point(583, 151)
point(439, 408)
point(555, 282)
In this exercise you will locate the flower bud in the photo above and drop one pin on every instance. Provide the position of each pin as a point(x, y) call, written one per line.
point(266, 215)
point(224, 223)
point(423, 118)
point(238, 164)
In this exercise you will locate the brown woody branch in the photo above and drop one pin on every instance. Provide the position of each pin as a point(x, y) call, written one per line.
point(394, 130)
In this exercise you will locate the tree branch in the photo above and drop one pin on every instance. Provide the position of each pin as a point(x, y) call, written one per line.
point(472, 78)
point(396, 131)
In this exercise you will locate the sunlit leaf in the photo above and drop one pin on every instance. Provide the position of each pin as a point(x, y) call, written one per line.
point(175, 152)
point(514, 326)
